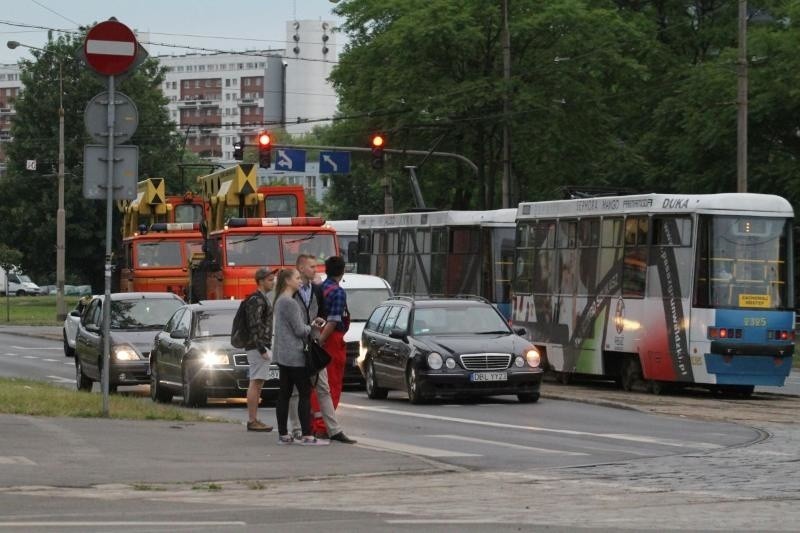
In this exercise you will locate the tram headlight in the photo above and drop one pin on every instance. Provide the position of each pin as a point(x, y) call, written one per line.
point(435, 361)
point(532, 356)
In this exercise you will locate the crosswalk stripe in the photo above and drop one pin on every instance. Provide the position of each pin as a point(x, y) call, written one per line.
point(411, 449)
point(505, 444)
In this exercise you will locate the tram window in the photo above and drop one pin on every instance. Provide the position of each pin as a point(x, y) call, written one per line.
point(672, 231)
point(391, 241)
point(364, 243)
point(439, 241)
point(463, 241)
point(543, 234)
point(438, 265)
point(567, 233)
point(423, 241)
point(589, 232)
point(379, 242)
point(611, 235)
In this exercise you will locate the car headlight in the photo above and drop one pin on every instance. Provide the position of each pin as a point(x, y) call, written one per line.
point(450, 363)
point(123, 352)
point(435, 361)
point(362, 352)
point(519, 362)
point(214, 358)
point(533, 357)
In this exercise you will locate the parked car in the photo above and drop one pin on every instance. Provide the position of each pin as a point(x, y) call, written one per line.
point(135, 319)
point(71, 324)
point(447, 347)
point(16, 283)
point(364, 294)
point(192, 357)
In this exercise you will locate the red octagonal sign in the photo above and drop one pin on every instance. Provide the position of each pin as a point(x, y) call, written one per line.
point(110, 48)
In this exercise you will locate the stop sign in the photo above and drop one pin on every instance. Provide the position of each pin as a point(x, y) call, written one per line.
point(110, 48)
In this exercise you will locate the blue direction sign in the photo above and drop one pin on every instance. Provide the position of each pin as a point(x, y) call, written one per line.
point(334, 162)
point(290, 160)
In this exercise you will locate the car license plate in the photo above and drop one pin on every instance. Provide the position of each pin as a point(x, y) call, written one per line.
point(273, 373)
point(488, 376)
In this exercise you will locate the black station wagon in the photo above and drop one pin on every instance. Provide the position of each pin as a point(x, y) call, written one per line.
point(447, 347)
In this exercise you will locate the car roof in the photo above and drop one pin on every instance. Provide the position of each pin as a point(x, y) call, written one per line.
point(422, 301)
point(363, 281)
point(214, 305)
point(119, 296)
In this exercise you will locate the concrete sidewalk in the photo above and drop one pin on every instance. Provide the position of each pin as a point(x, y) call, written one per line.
point(83, 452)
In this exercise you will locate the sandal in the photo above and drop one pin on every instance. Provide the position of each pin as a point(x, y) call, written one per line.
point(313, 441)
point(285, 439)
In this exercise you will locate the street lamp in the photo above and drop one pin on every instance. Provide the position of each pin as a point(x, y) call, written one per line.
point(61, 308)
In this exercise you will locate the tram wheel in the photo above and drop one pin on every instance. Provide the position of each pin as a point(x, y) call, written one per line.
point(564, 377)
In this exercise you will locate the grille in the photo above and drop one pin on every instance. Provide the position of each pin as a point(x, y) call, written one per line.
point(352, 348)
point(486, 361)
point(240, 359)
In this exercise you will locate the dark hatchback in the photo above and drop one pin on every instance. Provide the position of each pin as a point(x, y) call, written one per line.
point(193, 358)
point(135, 319)
point(447, 347)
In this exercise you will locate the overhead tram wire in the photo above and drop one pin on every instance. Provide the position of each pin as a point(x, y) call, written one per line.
point(54, 12)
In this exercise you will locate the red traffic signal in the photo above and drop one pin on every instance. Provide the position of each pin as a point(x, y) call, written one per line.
point(378, 141)
point(264, 149)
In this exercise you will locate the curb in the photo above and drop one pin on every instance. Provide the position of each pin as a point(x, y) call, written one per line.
point(591, 401)
point(48, 336)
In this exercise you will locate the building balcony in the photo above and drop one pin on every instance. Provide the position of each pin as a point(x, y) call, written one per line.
point(7, 111)
point(249, 102)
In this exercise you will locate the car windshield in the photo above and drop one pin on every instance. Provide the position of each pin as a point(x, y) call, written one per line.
point(142, 313)
point(458, 320)
point(214, 323)
point(24, 279)
point(361, 302)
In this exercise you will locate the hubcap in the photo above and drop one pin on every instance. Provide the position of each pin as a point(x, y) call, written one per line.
point(412, 381)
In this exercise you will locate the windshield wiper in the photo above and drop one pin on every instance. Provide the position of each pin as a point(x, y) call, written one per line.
point(303, 239)
point(492, 332)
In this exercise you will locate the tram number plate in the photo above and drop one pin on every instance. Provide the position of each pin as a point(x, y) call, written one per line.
point(488, 376)
point(273, 373)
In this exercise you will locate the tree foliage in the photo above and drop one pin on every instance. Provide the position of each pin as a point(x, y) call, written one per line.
point(29, 217)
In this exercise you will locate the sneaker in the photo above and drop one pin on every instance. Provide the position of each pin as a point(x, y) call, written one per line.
point(286, 439)
point(341, 437)
point(258, 425)
point(322, 435)
point(313, 441)
point(297, 434)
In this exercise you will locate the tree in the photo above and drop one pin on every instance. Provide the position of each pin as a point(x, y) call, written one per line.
point(29, 212)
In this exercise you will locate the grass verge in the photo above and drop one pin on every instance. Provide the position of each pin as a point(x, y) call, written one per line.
point(32, 310)
point(36, 398)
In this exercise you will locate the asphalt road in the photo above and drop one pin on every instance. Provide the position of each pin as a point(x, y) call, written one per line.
point(497, 434)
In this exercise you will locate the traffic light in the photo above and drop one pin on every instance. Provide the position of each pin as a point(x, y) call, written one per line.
point(238, 150)
point(264, 149)
point(377, 143)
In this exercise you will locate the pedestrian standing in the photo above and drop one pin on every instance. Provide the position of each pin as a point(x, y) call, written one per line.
point(259, 346)
point(291, 334)
point(334, 311)
point(309, 296)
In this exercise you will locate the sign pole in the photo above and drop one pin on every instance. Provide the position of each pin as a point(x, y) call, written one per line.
point(108, 266)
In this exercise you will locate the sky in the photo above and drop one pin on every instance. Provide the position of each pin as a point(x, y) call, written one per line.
point(216, 25)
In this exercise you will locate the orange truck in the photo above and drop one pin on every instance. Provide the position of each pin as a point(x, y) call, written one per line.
point(243, 233)
point(159, 235)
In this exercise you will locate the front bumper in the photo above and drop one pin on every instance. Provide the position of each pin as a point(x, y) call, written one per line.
point(352, 373)
point(232, 381)
point(129, 372)
point(452, 383)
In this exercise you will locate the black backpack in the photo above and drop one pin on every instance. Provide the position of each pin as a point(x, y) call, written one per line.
point(240, 332)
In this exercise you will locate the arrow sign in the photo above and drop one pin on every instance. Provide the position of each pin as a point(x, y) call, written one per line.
point(291, 160)
point(334, 162)
point(110, 48)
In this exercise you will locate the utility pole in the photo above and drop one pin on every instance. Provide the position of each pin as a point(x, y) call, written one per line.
point(61, 307)
point(506, 38)
point(741, 102)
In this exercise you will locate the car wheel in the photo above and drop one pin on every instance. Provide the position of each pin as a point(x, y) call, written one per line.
point(528, 397)
point(413, 387)
point(158, 393)
point(194, 393)
point(68, 352)
point(374, 392)
point(83, 382)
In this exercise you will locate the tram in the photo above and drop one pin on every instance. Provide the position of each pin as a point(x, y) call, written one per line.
point(659, 289)
point(441, 253)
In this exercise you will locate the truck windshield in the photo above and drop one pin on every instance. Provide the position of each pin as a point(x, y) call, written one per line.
point(252, 250)
point(743, 263)
point(159, 254)
point(320, 245)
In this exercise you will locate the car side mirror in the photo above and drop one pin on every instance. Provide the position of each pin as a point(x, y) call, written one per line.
point(75, 313)
point(179, 334)
point(522, 332)
point(399, 334)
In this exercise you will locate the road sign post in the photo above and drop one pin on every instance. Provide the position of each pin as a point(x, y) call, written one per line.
point(110, 49)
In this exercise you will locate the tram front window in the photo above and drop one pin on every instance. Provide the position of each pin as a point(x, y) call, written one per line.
point(743, 262)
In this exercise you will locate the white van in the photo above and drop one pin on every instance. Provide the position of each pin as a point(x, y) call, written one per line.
point(17, 283)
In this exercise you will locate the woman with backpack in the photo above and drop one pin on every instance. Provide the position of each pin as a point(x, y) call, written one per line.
point(291, 335)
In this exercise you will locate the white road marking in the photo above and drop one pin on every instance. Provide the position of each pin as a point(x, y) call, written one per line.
point(614, 436)
point(51, 360)
point(68, 363)
point(443, 521)
point(118, 524)
point(16, 460)
point(37, 347)
point(505, 444)
point(30, 357)
point(59, 379)
point(411, 449)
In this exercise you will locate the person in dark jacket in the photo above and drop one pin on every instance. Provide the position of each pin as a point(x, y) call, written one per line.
point(259, 346)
